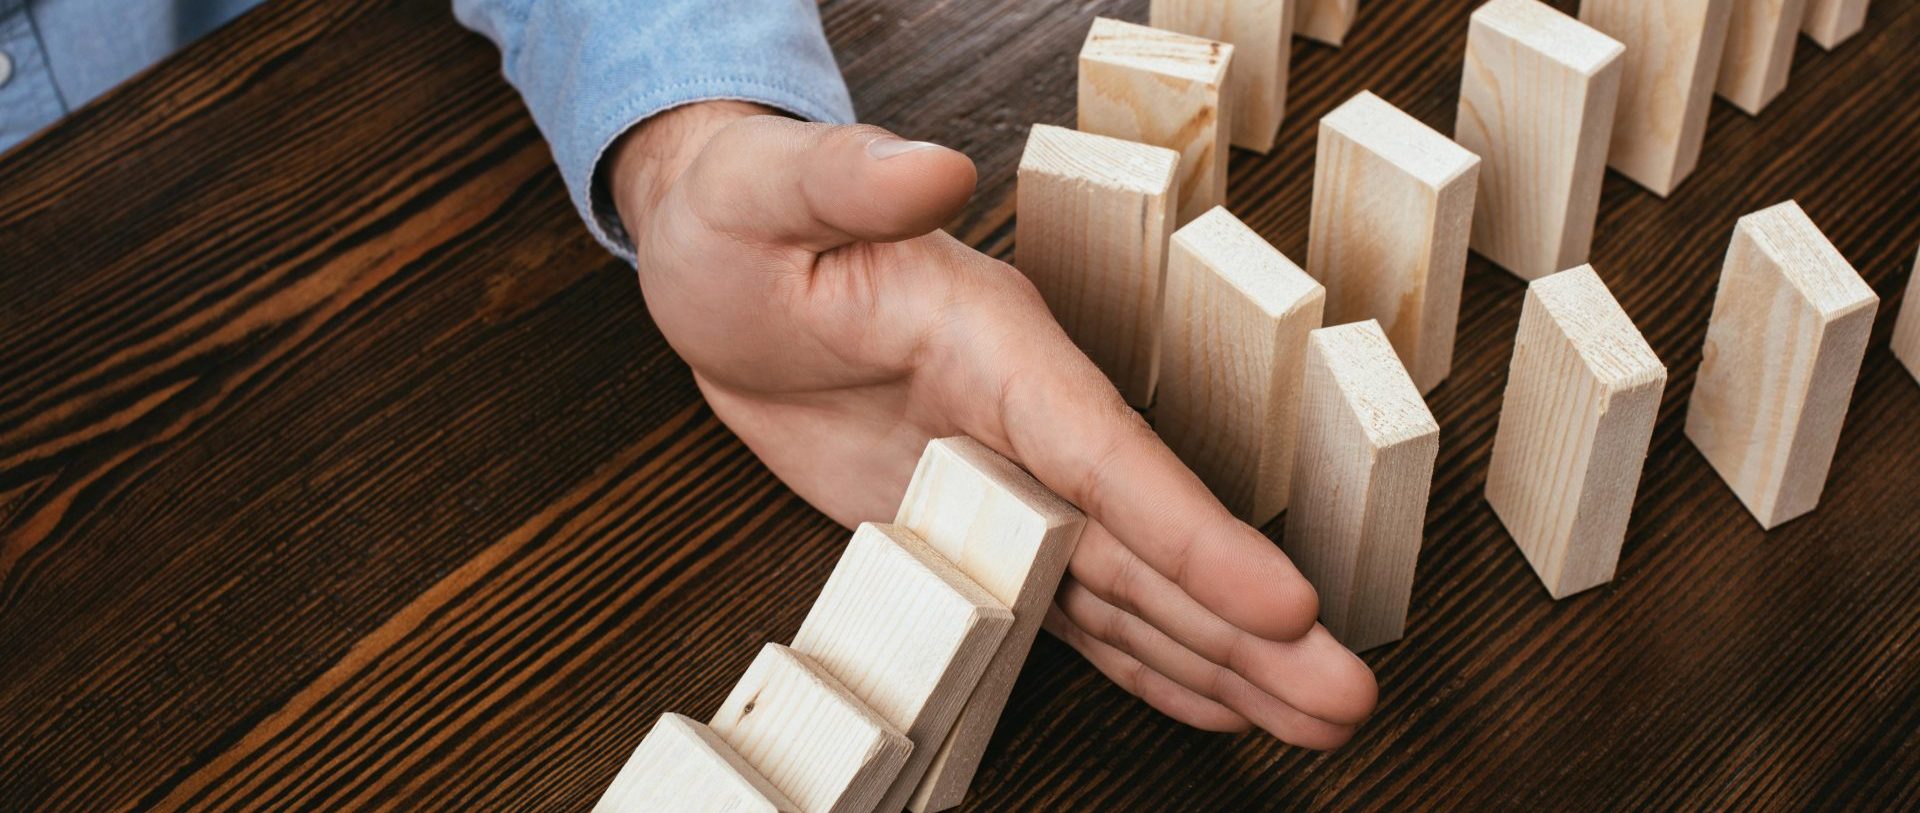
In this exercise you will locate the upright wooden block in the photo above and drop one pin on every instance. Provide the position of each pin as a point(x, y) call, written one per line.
point(1392, 208)
point(1906, 329)
point(1238, 313)
point(1582, 395)
point(1666, 82)
point(1361, 473)
point(1094, 214)
point(683, 767)
point(1759, 52)
point(1784, 344)
point(1013, 537)
point(1536, 104)
point(1831, 22)
point(1161, 88)
point(809, 735)
point(1261, 33)
point(1325, 20)
point(907, 632)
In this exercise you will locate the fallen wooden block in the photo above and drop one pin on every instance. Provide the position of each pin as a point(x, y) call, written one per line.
point(1666, 83)
point(1906, 329)
point(1784, 344)
point(1759, 52)
point(1238, 313)
point(1261, 33)
point(1831, 22)
point(683, 767)
point(1325, 20)
point(1362, 468)
point(907, 632)
point(1161, 88)
point(1392, 208)
point(1582, 395)
point(809, 735)
point(1094, 214)
point(1536, 104)
point(1013, 537)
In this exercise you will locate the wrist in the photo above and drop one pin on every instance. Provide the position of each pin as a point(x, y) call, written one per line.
point(646, 160)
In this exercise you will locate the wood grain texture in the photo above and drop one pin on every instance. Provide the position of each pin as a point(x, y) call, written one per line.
point(683, 767)
point(1784, 345)
point(1325, 20)
point(1261, 33)
point(1392, 209)
point(1582, 395)
point(1759, 52)
point(809, 735)
point(1831, 22)
point(1165, 89)
point(1537, 99)
point(1238, 313)
point(340, 469)
point(1906, 330)
point(1666, 83)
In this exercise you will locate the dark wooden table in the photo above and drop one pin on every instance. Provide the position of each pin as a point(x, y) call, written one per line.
point(339, 468)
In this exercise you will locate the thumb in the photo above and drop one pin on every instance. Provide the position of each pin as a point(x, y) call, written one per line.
point(768, 179)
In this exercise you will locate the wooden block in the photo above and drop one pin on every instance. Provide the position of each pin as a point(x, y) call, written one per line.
point(1361, 473)
point(1161, 88)
point(907, 632)
point(1392, 208)
point(1238, 313)
point(1666, 82)
point(1759, 52)
point(809, 735)
point(681, 766)
point(1013, 537)
point(1784, 344)
point(1831, 22)
point(1906, 329)
point(1536, 104)
point(1091, 232)
point(1582, 395)
point(1261, 33)
point(1325, 20)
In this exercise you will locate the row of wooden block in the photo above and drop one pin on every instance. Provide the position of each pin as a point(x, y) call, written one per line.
point(892, 686)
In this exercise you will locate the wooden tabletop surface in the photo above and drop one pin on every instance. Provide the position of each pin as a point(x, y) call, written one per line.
point(339, 468)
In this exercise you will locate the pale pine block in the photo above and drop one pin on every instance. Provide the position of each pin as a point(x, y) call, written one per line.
point(809, 735)
point(1325, 20)
point(1666, 83)
point(907, 632)
point(681, 766)
point(1094, 214)
point(1759, 52)
point(1583, 391)
point(1537, 100)
point(1789, 329)
point(1392, 207)
point(1013, 537)
point(1831, 22)
point(1261, 33)
point(1161, 88)
point(1362, 469)
point(1238, 313)
point(1906, 329)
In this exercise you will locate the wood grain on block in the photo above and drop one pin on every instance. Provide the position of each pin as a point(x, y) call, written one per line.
point(1013, 537)
point(907, 632)
point(1789, 328)
point(1325, 20)
point(1759, 52)
point(1094, 214)
point(1362, 467)
point(1238, 313)
point(1906, 328)
point(1536, 104)
point(1261, 33)
point(681, 766)
point(1392, 208)
point(809, 735)
point(1161, 88)
point(1583, 391)
point(1831, 22)
point(1666, 82)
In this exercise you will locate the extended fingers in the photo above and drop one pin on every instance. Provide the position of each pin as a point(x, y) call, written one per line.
point(1165, 695)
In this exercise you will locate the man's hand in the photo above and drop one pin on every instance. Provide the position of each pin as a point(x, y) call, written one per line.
point(799, 270)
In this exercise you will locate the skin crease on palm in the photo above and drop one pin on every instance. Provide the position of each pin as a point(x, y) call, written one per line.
point(800, 271)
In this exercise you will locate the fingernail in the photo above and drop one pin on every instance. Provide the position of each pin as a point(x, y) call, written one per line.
point(884, 147)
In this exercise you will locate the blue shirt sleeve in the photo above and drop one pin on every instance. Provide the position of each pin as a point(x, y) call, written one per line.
point(590, 69)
